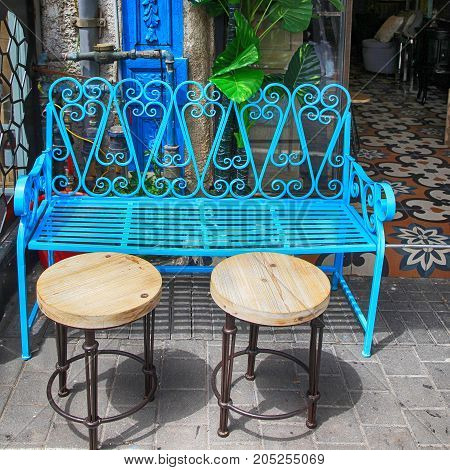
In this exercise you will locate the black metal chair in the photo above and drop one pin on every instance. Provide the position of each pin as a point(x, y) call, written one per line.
point(433, 59)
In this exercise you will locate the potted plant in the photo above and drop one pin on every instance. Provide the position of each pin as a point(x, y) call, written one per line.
point(237, 71)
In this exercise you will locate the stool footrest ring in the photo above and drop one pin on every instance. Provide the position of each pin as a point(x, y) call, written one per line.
point(249, 414)
point(107, 419)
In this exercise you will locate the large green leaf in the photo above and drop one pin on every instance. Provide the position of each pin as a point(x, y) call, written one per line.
point(295, 15)
point(273, 78)
point(203, 2)
point(242, 51)
point(239, 85)
point(212, 7)
point(248, 124)
point(337, 4)
point(231, 58)
point(304, 67)
point(245, 33)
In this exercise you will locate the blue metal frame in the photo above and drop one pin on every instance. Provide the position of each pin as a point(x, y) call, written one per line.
point(330, 205)
point(156, 24)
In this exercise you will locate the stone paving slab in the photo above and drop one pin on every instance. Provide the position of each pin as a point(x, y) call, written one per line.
point(396, 399)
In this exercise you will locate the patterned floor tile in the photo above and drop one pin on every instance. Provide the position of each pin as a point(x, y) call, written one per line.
point(402, 143)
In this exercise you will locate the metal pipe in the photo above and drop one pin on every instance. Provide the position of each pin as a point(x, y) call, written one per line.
point(170, 147)
point(107, 57)
point(88, 9)
point(118, 41)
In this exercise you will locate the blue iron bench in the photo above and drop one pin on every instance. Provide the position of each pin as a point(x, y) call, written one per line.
point(292, 188)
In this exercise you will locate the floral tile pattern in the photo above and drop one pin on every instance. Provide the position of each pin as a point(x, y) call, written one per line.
point(425, 261)
point(402, 143)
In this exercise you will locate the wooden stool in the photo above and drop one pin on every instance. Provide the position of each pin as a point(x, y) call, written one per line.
point(99, 291)
point(272, 290)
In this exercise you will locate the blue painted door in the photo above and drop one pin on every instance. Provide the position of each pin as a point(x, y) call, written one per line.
point(152, 24)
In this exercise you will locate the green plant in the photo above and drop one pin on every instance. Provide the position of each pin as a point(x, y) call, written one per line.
point(235, 71)
point(232, 72)
point(304, 67)
point(149, 182)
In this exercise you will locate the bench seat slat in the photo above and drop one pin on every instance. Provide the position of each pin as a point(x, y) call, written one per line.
point(70, 225)
point(224, 236)
point(199, 226)
point(55, 226)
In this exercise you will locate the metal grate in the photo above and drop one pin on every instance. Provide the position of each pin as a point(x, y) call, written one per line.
point(15, 86)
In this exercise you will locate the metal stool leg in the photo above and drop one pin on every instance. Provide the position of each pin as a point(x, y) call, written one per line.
point(315, 350)
point(90, 347)
point(148, 368)
point(228, 342)
point(62, 366)
point(252, 351)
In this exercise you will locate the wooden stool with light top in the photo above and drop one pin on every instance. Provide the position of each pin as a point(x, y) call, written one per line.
point(268, 289)
point(97, 291)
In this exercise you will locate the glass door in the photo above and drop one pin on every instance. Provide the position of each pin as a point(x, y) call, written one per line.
point(15, 86)
point(330, 33)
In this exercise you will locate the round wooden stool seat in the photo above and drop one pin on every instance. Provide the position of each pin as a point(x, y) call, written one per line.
point(270, 289)
point(99, 290)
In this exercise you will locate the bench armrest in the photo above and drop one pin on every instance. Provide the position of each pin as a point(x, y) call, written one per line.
point(30, 194)
point(377, 200)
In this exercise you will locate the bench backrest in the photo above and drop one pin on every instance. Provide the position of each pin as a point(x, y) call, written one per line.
point(287, 144)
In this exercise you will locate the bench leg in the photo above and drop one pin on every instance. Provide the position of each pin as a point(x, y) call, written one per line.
point(22, 292)
point(339, 268)
point(373, 302)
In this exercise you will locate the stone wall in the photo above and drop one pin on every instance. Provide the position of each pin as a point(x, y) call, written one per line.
point(60, 36)
point(199, 49)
